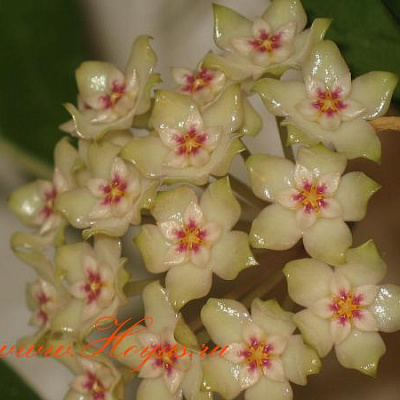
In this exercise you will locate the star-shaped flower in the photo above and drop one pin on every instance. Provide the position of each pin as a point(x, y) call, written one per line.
point(94, 277)
point(328, 107)
point(193, 239)
point(167, 371)
point(109, 99)
point(34, 204)
point(272, 43)
point(110, 197)
point(188, 145)
point(345, 306)
point(204, 85)
point(311, 200)
point(44, 301)
point(262, 355)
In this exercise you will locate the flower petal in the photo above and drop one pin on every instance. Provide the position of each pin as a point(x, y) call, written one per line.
point(308, 280)
point(147, 153)
point(154, 389)
point(227, 111)
point(94, 79)
point(180, 75)
point(327, 65)
point(235, 353)
point(364, 266)
point(222, 377)
point(386, 308)
point(331, 208)
point(340, 331)
point(140, 66)
point(220, 205)
point(187, 282)
point(361, 351)
point(322, 308)
point(339, 284)
point(365, 321)
point(282, 12)
point(193, 214)
point(321, 161)
point(100, 159)
point(172, 204)
point(374, 91)
point(275, 228)
point(153, 248)
point(230, 255)
point(299, 360)
point(229, 24)
point(276, 390)
point(353, 194)
point(305, 218)
point(249, 376)
point(327, 240)
point(252, 119)
point(200, 257)
point(315, 330)
point(275, 371)
point(287, 198)
point(76, 206)
point(224, 320)
point(252, 333)
point(352, 110)
point(158, 307)
point(357, 138)
point(269, 175)
point(271, 318)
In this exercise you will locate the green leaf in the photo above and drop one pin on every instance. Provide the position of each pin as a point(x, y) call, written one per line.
point(12, 387)
point(41, 45)
point(365, 31)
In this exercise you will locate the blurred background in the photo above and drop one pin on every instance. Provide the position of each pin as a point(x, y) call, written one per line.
point(42, 42)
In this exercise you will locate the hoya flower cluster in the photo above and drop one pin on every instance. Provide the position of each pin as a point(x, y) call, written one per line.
point(173, 176)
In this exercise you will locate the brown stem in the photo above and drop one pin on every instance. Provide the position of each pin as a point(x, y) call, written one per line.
point(386, 124)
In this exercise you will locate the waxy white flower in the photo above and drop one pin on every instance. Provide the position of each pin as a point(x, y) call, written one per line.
point(311, 201)
point(112, 195)
point(345, 306)
point(44, 301)
point(271, 43)
point(96, 382)
point(94, 277)
point(168, 371)
point(193, 239)
point(262, 354)
point(329, 107)
point(203, 85)
point(109, 99)
point(34, 204)
point(188, 145)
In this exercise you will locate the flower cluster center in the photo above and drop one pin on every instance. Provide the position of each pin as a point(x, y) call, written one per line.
point(190, 142)
point(346, 306)
point(329, 102)
point(266, 42)
point(258, 354)
point(95, 387)
point(190, 237)
point(114, 191)
point(166, 358)
point(93, 286)
point(312, 197)
point(117, 91)
point(49, 198)
point(196, 82)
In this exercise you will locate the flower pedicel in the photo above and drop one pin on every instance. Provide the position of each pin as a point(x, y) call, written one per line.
point(173, 177)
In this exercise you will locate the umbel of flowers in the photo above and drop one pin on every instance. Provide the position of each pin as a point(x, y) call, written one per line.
point(173, 176)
